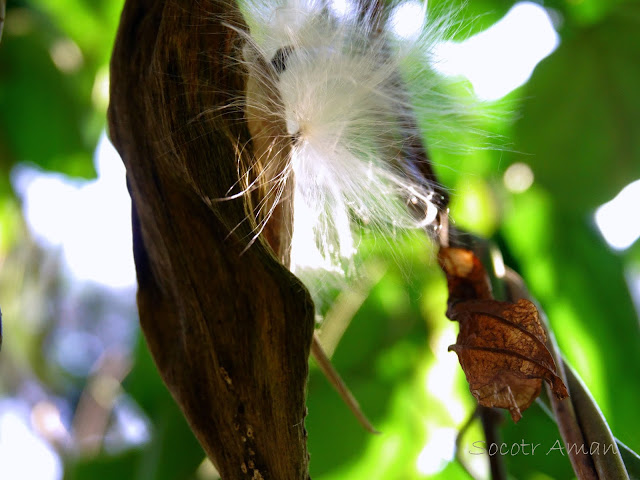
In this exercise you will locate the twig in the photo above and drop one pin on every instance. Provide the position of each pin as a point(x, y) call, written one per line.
point(563, 410)
point(336, 381)
point(97, 401)
point(623, 455)
point(609, 463)
point(461, 432)
point(490, 418)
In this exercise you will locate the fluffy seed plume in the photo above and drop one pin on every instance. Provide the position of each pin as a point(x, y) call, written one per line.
point(332, 125)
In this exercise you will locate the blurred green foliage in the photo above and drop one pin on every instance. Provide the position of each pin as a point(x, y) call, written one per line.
point(576, 123)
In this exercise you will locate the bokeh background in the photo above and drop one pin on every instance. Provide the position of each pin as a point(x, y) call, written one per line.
point(553, 179)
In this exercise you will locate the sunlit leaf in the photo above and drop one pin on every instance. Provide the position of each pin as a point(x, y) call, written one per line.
point(42, 115)
point(579, 124)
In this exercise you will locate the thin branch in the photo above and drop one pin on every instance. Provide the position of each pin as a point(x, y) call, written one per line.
point(563, 410)
point(607, 460)
point(461, 432)
point(491, 418)
point(336, 381)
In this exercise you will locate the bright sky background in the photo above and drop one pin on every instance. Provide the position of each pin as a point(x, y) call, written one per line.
point(24, 454)
point(501, 58)
point(89, 221)
point(618, 219)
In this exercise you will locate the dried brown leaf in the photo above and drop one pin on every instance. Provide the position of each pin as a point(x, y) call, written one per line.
point(501, 345)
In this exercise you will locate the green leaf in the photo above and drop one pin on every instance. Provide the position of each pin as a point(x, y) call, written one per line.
point(469, 18)
point(580, 123)
point(538, 457)
point(583, 12)
point(631, 461)
point(92, 24)
point(42, 114)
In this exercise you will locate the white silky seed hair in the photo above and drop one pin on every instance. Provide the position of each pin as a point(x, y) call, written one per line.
point(334, 85)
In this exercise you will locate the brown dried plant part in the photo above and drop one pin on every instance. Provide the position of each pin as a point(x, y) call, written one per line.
point(229, 328)
point(502, 352)
point(2, 10)
point(501, 345)
point(466, 277)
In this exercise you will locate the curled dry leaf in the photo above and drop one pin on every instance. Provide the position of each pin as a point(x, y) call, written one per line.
point(501, 345)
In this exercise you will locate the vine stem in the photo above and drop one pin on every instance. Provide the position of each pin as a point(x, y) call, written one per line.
point(563, 410)
point(490, 418)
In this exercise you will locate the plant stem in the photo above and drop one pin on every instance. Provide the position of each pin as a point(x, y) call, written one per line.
point(490, 418)
point(563, 410)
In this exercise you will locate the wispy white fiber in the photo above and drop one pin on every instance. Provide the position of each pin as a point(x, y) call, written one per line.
point(329, 74)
